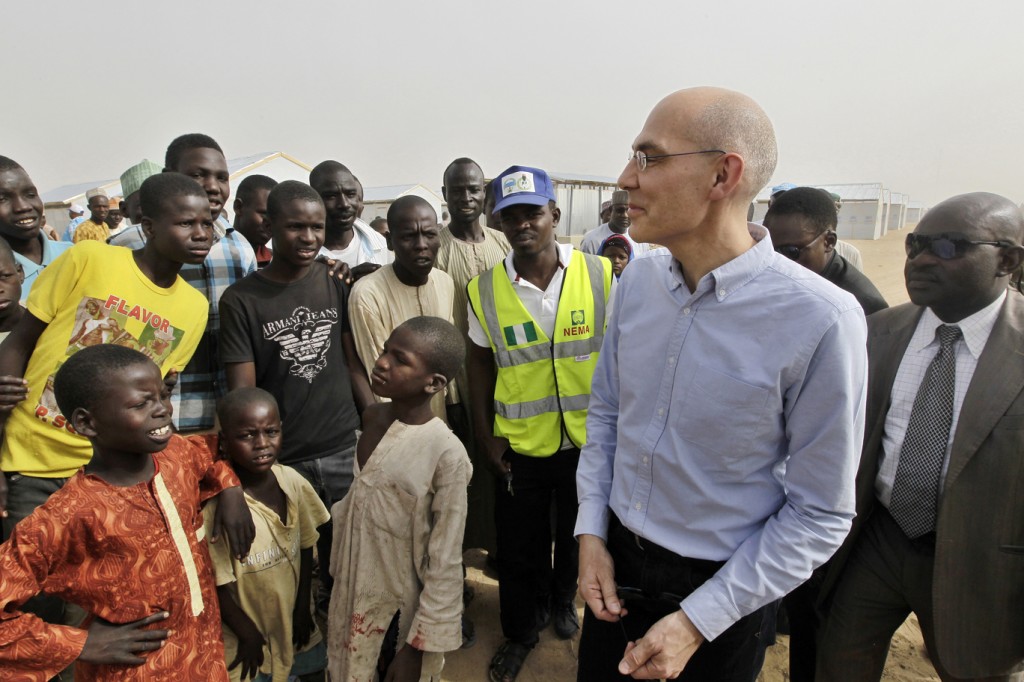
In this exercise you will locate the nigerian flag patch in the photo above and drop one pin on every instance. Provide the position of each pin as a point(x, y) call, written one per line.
point(520, 333)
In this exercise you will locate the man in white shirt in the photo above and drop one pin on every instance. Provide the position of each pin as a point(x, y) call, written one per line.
point(347, 238)
point(618, 223)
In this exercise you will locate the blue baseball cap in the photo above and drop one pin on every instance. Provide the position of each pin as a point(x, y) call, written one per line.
point(522, 185)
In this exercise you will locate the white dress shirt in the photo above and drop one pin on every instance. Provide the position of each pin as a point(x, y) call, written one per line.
point(919, 355)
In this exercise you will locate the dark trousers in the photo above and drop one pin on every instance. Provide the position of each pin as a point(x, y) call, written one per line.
point(734, 656)
point(885, 578)
point(528, 582)
point(331, 476)
point(804, 627)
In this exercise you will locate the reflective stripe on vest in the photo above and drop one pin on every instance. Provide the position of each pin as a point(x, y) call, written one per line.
point(543, 385)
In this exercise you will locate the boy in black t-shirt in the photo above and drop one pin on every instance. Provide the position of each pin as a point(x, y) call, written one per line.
point(285, 329)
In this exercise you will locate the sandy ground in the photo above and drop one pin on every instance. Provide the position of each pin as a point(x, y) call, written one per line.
point(555, 660)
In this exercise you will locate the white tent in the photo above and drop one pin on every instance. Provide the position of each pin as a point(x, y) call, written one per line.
point(861, 216)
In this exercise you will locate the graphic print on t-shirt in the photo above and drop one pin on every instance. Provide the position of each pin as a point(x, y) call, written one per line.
point(304, 337)
point(117, 321)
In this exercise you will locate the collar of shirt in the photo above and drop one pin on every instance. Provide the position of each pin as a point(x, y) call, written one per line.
point(564, 254)
point(734, 274)
point(976, 328)
point(29, 266)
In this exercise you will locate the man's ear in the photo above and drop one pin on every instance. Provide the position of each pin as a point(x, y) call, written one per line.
point(437, 383)
point(556, 214)
point(237, 205)
point(147, 227)
point(728, 175)
point(81, 421)
point(1010, 260)
point(830, 240)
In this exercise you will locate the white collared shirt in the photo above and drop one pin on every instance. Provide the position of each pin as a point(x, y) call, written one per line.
point(920, 352)
point(541, 304)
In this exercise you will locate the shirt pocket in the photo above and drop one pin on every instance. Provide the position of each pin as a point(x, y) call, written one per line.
point(390, 509)
point(722, 415)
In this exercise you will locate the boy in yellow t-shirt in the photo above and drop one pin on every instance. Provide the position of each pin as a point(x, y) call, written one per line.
point(266, 599)
point(95, 294)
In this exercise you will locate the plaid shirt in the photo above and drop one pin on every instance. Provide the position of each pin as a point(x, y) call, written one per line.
point(202, 380)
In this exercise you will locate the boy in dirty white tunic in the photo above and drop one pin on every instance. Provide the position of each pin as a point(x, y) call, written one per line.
point(398, 532)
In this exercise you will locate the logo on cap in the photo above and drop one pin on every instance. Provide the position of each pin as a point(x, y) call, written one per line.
point(521, 181)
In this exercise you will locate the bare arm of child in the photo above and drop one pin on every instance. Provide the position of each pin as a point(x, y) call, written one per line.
point(14, 354)
point(376, 421)
point(250, 641)
point(302, 615)
point(361, 392)
point(217, 479)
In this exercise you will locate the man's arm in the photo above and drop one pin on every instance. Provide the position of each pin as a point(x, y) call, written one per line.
point(240, 374)
point(482, 377)
point(361, 392)
point(250, 641)
point(594, 480)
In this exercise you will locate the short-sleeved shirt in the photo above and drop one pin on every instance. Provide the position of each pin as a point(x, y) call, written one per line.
point(92, 294)
point(367, 246)
point(200, 384)
point(266, 582)
point(51, 250)
point(292, 333)
point(592, 241)
point(91, 231)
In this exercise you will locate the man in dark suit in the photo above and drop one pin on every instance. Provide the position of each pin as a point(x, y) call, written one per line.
point(940, 491)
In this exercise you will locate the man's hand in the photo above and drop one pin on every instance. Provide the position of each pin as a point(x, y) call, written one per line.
point(406, 666)
point(234, 518)
point(597, 579)
point(664, 651)
point(109, 644)
point(364, 269)
point(250, 653)
point(337, 268)
point(12, 391)
point(494, 449)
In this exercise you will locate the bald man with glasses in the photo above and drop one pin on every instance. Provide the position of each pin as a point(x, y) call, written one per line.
point(725, 416)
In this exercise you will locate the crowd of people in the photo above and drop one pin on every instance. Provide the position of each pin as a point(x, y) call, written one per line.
point(258, 449)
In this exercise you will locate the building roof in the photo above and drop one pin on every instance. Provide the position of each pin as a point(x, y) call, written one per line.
point(68, 194)
point(576, 178)
point(862, 191)
point(387, 193)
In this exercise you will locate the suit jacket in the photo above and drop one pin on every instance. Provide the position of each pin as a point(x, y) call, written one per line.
point(978, 583)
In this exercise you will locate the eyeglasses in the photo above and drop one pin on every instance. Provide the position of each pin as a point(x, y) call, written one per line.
point(793, 252)
point(642, 158)
point(946, 246)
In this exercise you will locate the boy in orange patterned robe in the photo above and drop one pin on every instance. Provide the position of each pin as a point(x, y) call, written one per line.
point(123, 538)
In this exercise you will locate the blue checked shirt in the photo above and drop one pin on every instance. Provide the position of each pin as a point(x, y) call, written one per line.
point(202, 380)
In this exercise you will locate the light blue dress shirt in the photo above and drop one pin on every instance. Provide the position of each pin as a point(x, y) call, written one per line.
point(726, 424)
point(51, 250)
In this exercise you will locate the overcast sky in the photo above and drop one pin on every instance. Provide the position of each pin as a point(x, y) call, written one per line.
point(925, 97)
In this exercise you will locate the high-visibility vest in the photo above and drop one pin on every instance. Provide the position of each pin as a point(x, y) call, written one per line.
point(543, 384)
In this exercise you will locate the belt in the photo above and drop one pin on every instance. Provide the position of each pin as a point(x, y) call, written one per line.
point(655, 550)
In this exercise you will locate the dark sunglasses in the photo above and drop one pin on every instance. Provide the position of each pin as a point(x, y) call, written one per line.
point(793, 252)
point(945, 246)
